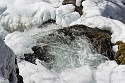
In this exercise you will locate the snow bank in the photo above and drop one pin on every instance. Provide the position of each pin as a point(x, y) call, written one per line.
point(7, 64)
point(110, 72)
point(40, 74)
point(116, 27)
point(107, 8)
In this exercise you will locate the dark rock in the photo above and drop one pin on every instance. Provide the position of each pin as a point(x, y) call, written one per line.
point(19, 78)
point(47, 23)
point(69, 2)
point(100, 39)
point(40, 53)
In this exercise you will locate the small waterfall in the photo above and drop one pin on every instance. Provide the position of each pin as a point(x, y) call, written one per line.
point(64, 53)
point(77, 54)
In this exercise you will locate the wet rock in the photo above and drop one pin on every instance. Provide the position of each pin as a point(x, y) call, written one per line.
point(40, 53)
point(69, 2)
point(100, 39)
point(65, 39)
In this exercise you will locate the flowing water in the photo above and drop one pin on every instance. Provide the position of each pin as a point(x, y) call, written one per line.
point(69, 54)
point(70, 60)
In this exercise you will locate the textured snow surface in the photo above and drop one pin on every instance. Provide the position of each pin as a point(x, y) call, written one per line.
point(108, 8)
point(108, 72)
point(65, 15)
point(7, 63)
point(22, 14)
point(40, 74)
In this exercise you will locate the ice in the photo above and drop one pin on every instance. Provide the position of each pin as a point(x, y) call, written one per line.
point(65, 15)
point(69, 18)
point(78, 2)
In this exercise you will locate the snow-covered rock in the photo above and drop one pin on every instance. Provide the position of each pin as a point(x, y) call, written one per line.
point(65, 15)
point(40, 74)
point(107, 8)
point(21, 14)
point(7, 64)
point(116, 27)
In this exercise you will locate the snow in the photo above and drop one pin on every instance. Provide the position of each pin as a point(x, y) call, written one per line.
point(19, 20)
point(7, 63)
point(23, 14)
point(107, 8)
point(108, 72)
point(78, 2)
point(40, 74)
point(65, 15)
point(114, 26)
point(118, 74)
point(106, 15)
point(104, 71)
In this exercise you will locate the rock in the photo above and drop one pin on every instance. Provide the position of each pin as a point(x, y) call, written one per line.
point(77, 8)
point(120, 54)
point(64, 39)
point(19, 78)
point(69, 2)
point(100, 39)
point(8, 65)
point(40, 53)
point(47, 23)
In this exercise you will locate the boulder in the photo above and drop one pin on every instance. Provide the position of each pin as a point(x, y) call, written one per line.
point(9, 72)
